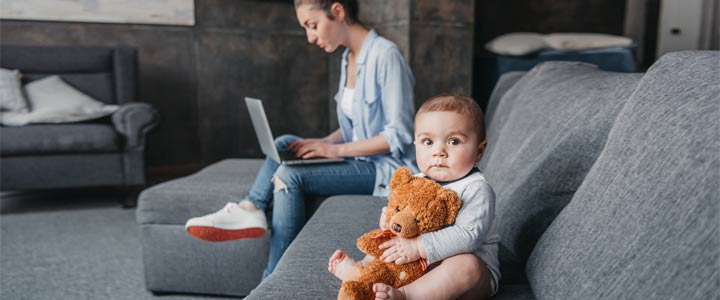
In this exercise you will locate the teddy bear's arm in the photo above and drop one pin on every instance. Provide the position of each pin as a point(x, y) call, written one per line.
point(368, 243)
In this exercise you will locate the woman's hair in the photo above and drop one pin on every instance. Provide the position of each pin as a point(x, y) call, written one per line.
point(457, 103)
point(351, 8)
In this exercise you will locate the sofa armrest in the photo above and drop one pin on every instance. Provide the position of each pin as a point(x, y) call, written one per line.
point(134, 121)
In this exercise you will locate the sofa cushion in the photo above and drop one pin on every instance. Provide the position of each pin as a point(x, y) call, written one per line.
point(338, 222)
point(545, 134)
point(52, 100)
point(644, 223)
point(496, 113)
point(582, 41)
point(53, 139)
point(516, 43)
point(96, 85)
point(12, 97)
point(503, 85)
point(176, 201)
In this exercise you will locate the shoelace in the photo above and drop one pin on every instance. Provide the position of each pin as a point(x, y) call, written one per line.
point(231, 206)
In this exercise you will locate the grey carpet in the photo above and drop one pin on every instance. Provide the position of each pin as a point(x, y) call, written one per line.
point(71, 245)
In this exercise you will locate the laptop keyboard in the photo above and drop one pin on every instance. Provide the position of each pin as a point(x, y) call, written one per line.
point(290, 155)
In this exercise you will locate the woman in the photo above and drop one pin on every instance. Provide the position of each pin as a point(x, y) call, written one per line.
point(375, 111)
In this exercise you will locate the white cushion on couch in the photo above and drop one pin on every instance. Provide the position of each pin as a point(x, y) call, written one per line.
point(518, 43)
point(11, 95)
point(54, 101)
point(581, 41)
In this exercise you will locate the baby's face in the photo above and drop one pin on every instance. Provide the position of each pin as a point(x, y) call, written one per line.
point(446, 145)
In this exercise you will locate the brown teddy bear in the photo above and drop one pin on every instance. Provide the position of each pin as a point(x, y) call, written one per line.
point(416, 205)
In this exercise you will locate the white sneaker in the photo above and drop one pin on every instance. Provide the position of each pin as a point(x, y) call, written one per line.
point(230, 223)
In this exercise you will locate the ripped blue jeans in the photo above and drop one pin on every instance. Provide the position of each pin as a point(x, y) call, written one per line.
point(288, 215)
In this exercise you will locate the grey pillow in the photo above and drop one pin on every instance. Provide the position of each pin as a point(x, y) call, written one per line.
point(546, 132)
point(644, 223)
point(11, 94)
point(54, 101)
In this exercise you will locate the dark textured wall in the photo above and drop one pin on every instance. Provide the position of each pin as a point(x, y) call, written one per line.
point(442, 47)
point(547, 16)
point(197, 76)
point(494, 18)
point(436, 38)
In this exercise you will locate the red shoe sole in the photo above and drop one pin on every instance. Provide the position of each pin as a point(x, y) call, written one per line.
point(212, 234)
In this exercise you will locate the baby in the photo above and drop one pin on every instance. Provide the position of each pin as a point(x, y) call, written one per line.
point(449, 141)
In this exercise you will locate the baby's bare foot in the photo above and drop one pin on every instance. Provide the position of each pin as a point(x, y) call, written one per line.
point(343, 266)
point(384, 291)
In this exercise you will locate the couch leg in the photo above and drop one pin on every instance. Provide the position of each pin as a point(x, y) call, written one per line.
point(129, 196)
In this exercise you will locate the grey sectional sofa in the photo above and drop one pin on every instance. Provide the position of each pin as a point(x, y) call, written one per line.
point(606, 183)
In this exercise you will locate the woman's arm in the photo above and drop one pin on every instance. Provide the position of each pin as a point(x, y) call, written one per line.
point(334, 138)
point(301, 146)
point(326, 147)
point(372, 146)
point(396, 82)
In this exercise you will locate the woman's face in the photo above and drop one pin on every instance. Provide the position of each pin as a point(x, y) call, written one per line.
point(321, 31)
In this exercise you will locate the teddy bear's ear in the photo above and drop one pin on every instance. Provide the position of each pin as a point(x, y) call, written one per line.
point(401, 176)
point(452, 203)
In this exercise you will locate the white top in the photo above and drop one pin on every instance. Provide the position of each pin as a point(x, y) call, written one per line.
point(347, 100)
point(346, 106)
point(474, 229)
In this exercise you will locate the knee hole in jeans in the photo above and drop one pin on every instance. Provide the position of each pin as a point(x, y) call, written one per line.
point(279, 184)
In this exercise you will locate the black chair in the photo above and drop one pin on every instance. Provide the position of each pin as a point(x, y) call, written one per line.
point(104, 152)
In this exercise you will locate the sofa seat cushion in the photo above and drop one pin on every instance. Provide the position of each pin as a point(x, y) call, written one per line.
point(338, 222)
point(176, 201)
point(644, 223)
point(57, 139)
point(545, 134)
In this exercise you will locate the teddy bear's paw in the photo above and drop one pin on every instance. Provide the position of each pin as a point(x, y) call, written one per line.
point(356, 290)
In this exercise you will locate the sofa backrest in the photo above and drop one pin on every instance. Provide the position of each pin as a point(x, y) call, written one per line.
point(104, 73)
point(644, 223)
point(545, 134)
point(496, 114)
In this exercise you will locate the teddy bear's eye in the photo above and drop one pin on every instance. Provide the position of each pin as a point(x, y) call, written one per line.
point(397, 209)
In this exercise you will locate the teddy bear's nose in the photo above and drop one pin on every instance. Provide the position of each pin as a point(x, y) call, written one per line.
point(396, 227)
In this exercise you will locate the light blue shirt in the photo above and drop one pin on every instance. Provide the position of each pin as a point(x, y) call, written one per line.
point(382, 104)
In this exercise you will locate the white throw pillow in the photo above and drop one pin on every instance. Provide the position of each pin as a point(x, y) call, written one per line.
point(582, 41)
point(11, 95)
point(518, 43)
point(54, 101)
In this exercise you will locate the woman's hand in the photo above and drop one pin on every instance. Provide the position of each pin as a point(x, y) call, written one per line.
point(294, 146)
point(401, 250)
point(316, 149)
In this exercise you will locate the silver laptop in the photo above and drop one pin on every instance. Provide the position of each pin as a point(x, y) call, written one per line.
point(266, 140)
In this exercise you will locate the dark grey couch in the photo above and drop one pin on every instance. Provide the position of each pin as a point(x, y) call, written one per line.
point(104, 152)
point(606, 183)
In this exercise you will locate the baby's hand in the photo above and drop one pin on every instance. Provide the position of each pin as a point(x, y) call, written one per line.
point(401, 250)
point(383, 220)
